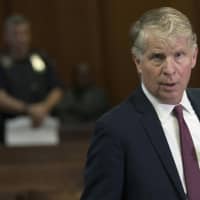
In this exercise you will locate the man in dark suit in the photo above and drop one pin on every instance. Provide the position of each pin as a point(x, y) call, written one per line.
point(135, 153)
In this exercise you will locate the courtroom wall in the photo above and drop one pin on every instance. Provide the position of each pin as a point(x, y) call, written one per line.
point(93, 31)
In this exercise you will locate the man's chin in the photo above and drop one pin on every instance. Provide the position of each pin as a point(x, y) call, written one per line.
point(170, 98)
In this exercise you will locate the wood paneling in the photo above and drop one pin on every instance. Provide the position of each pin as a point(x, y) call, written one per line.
point(67, 30)
point(93, 31)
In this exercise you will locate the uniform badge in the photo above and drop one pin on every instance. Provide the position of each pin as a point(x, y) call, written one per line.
point(37, 63)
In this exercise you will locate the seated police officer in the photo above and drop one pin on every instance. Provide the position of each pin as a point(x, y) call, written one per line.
point(28, 84)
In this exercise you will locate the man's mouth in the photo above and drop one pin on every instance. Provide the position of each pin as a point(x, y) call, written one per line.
point(168, 86)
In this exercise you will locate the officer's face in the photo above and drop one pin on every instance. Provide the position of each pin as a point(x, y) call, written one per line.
point(18, 37)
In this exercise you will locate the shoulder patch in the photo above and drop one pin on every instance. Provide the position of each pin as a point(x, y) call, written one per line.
point(6, 61)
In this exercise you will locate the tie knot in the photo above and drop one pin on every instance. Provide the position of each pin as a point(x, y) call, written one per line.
point(178, 110)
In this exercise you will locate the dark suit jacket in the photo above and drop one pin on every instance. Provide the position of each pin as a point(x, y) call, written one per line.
point(129, 157)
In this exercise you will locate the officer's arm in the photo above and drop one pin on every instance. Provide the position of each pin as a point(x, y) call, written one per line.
point(10, 104)
point(53, 98)
point(38, 111)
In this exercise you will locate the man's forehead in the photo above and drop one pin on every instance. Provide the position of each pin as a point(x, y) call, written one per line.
point(161, 41)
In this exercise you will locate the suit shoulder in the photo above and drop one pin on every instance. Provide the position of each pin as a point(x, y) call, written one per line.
point(194, 93)
point(119, 115)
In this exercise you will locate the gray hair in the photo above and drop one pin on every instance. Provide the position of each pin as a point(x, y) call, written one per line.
point(166, 21)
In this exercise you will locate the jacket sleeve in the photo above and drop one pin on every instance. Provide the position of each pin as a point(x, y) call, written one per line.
point(104, 173)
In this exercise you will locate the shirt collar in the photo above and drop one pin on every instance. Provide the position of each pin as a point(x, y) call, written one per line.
point(185, 102)
point(164, 110)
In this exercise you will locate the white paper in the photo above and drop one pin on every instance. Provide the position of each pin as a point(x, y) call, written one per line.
point(19, 132)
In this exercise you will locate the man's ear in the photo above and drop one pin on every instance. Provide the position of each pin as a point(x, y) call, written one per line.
point(194, 57)
point(137, 62)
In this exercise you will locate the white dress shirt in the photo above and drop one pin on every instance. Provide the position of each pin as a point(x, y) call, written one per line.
point(170, 126)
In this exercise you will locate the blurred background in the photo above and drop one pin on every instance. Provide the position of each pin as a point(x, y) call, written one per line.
point(96, 32)
point(77, 31)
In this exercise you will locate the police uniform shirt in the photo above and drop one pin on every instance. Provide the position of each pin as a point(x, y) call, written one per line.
point(29, 79)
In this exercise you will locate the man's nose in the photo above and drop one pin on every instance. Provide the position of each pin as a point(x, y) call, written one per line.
point(169, 67)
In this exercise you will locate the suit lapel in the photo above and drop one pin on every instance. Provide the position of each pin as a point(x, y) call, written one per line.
point(157, 138)
point(194, 96)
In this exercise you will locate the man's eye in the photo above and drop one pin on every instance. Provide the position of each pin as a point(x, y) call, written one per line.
point(179, 54)
point(158, 57)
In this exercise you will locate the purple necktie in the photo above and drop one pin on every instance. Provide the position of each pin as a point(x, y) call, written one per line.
point(189, 157)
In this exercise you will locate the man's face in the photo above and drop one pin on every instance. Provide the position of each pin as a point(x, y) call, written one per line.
point(18, 37)
point(165, 67)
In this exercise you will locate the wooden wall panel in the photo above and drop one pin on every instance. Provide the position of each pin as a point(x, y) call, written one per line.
point(68, 30)
point(94, 31)
point(4, 7)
